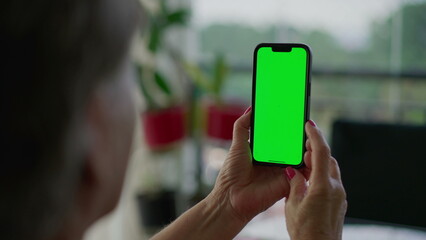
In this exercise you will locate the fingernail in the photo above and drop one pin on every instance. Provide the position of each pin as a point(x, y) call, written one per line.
point(312, 123)
point(289, 172)
point(248, 110)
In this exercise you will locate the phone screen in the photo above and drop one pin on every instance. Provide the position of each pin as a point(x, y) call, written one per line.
point(280, 103)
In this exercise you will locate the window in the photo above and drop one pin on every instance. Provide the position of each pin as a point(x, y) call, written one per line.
point(369, 57)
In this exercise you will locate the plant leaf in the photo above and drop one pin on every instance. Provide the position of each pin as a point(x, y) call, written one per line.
point(162, 84)
point(221, 70)
point(149, 100)
point(178, 17)
point(163, 8)
point(199, 78)
point(155, 38)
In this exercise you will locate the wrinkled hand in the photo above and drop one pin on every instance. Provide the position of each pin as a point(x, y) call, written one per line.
point(316, 211)
point(248, 189)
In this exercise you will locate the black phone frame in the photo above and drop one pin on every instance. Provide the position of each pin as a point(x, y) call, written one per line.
point(283, 47)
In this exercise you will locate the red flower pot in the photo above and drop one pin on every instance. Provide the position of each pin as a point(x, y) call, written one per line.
point(163, 127)
point(220, 120)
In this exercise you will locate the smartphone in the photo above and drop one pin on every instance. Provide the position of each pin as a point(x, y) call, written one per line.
point(280, 103)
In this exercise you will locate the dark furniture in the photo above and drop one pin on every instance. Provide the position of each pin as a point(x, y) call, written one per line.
point(383, 170)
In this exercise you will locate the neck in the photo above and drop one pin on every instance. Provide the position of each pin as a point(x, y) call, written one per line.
point(68, 236)
point(71, 230)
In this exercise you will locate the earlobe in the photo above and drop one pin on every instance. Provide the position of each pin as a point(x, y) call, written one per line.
point(87, 189)
point(109, 124)
point(93, 127)
point(90, 189)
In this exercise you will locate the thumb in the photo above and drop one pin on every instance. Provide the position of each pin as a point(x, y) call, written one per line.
point(297, 184)
point(241, 129)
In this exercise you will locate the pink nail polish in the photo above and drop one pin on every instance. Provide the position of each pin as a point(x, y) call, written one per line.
point(248, 110)
point(312, 123)
point(290, 173)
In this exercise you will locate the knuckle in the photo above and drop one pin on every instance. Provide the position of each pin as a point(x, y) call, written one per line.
point(325, 189)
point(331, 190)
point(334, 164)
point(321, 194)
point(333, 161)
point(341, 194)
point(324, 150)
point(237, 123)
point(345, 205)
point(235, 129)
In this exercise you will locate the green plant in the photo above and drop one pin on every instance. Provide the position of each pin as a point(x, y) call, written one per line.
point(150, 77)
point(211, 83)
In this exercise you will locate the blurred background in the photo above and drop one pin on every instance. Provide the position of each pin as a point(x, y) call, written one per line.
point(194, 64)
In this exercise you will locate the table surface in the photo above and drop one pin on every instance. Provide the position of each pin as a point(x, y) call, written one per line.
point(124, 223)
point(270, 225)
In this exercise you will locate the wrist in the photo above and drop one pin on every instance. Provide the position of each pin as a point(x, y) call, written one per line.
point(315, 235)
point(218, 204)
point(212, 218)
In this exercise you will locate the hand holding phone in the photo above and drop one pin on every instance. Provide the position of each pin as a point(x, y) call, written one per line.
point(280, 101)
point(324, 199)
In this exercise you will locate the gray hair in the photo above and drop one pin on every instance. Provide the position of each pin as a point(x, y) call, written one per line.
point(54, 53)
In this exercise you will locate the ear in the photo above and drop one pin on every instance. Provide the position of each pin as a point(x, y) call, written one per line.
point(91, 189)
point(110, 120)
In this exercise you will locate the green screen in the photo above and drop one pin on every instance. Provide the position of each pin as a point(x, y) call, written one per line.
point(279, 105)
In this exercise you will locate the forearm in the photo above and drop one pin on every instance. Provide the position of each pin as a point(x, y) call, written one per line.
point(212, 218)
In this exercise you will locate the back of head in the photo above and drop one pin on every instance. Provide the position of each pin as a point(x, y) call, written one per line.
point(53, 54)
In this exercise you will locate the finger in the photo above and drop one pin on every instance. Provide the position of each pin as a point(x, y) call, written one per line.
point(277, 182)
point(306, 171)
point(297, 184)
point(307, 159)
point(241, 128)
point(334, 169)
point(320, 153)
point(308, 145)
